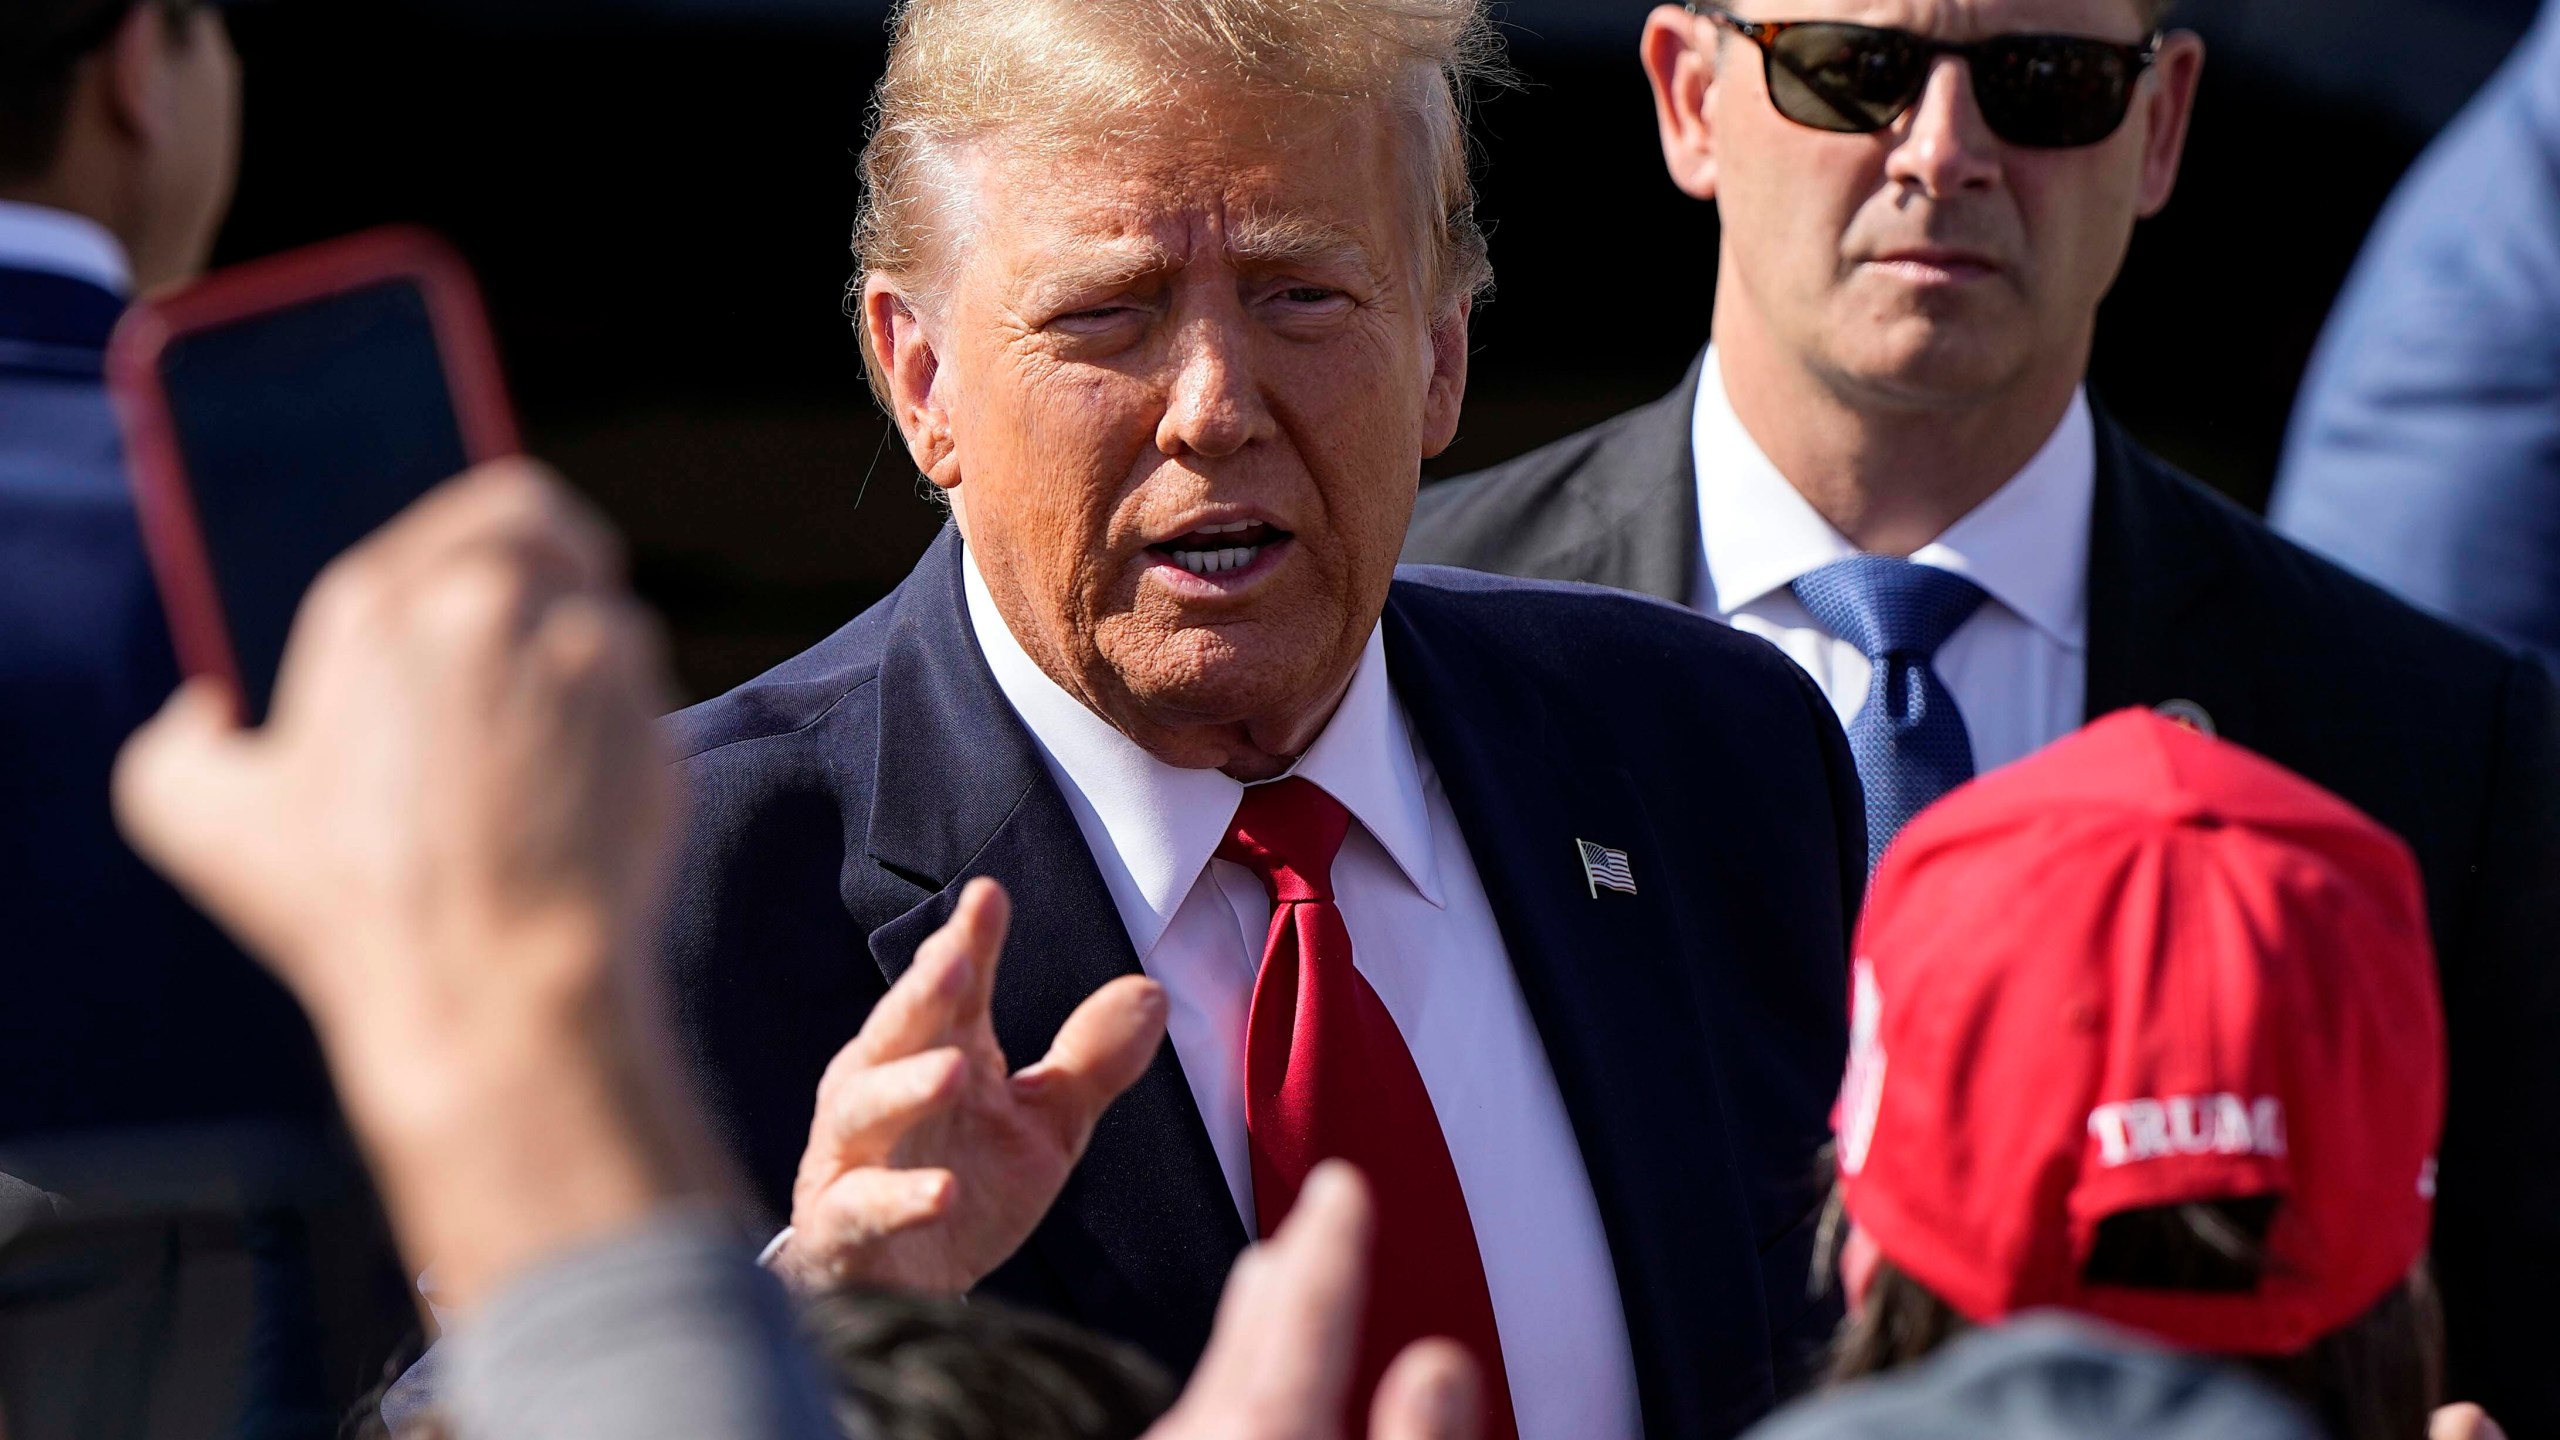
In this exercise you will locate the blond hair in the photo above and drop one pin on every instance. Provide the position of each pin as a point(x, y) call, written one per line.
point(1063, 70)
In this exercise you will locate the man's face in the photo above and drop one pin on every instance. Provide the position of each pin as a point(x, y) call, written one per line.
point(1931, 262)
point(1180, 389)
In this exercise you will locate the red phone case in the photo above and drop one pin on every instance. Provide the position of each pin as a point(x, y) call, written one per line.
point(171, 533)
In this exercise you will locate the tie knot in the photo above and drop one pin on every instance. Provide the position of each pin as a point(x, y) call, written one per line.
point(1288, 832)
point(1889, 606)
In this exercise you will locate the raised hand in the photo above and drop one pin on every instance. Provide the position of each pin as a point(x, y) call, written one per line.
point(1279, 1364)
point(447, 841)
point(929, 1162)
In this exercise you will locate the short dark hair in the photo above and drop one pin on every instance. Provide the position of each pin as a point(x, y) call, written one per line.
point(2379, 1377)
point(42, 43)
point(913, 1367)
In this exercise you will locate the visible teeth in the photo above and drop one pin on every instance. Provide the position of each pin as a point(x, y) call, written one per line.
point(1237, 528)
point(1214, 562)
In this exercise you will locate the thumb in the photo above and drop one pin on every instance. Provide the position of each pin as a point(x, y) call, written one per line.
point(186, 791)
point(1101, 1051)
point(1431, 1392)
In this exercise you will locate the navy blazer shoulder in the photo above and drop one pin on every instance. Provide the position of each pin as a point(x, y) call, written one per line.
point(125, 1006)
point(1696, 1030)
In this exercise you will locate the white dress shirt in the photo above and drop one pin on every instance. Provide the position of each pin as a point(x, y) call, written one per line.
point(57, 242)
point(1424, 936)
point(2018, 668)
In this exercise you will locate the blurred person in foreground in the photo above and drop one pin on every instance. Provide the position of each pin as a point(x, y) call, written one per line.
point(2425, 452)
point(1886, 464)
point(2146, 1030)
point(449, 841)
point(1533, 901)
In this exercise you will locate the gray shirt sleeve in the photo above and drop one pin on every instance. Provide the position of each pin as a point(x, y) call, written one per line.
point(670, 1331)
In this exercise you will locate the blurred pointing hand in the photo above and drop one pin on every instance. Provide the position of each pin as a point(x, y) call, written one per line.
point(1279, 1364)
point(928, 1161)
point(448, 841)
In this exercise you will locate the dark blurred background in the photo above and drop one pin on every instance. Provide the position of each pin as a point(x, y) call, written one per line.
point(658, 193)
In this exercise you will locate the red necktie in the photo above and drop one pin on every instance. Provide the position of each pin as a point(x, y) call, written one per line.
point(1327, 1077)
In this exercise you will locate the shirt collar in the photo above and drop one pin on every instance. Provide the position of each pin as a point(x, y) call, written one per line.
point(57, 242)
point(1164, 823)
point(1760, 533)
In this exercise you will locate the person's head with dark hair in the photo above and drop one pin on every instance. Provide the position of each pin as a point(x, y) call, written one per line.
point(918, 1367)
point(125, 112)
point(2146, 1027)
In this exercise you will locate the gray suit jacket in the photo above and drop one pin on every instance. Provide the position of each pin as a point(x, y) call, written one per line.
point(667, 1333)
point(2444, 736)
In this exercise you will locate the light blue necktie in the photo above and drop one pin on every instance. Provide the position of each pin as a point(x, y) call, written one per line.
point(1909, 740)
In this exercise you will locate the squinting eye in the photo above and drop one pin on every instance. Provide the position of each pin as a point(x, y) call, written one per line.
point(1308, 295)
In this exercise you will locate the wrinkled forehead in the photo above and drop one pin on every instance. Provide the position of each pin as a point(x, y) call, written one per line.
point(1965, 19)
point(1321, 189)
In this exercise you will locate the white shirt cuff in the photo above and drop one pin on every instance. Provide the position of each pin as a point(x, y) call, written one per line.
point(773, 1247)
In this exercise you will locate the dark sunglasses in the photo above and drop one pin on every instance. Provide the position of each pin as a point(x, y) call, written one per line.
point(2045, 92)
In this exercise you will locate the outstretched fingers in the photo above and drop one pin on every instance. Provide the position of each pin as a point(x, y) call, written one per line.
point(944, 995)
point(1291, 1317)
point(864, 1114)
point(1433, 1391)
point(1101, 1051)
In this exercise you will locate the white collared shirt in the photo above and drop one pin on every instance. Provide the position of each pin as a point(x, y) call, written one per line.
point(1424, 936)
point(2018, 668)
point(57, 242)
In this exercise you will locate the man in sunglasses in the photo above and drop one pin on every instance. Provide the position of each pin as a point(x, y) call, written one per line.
point(1886, 464)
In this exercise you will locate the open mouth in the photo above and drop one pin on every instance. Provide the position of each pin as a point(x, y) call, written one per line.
point(1225, 549)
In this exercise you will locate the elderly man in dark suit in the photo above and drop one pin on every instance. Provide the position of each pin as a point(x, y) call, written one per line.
point(1531, 900)
point(1886, 464)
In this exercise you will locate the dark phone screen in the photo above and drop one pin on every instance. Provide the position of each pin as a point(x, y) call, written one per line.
point(302, 430)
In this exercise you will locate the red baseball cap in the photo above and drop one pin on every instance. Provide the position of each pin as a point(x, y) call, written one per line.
point(2145, 968)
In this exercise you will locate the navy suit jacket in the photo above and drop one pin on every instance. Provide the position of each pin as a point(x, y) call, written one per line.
point(1697, 1030)
point(2425, 451)
point(124, 1006)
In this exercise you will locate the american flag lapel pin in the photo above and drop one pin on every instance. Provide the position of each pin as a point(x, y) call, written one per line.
point(1604, 866)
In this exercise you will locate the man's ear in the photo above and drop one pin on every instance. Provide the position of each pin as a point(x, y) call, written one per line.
point(2165, 111)
point(1679, 54)
point(135, 67)
point(1448, 392)
point(910, 365)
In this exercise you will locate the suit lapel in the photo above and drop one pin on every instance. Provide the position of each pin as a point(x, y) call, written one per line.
point(1141, 1239)
point(2152, 564)
point(1603, 978)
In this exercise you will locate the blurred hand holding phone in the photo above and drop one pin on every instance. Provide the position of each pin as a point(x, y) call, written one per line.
point(277, 413)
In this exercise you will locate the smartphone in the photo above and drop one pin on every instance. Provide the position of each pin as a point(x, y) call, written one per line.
point(277, 413)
